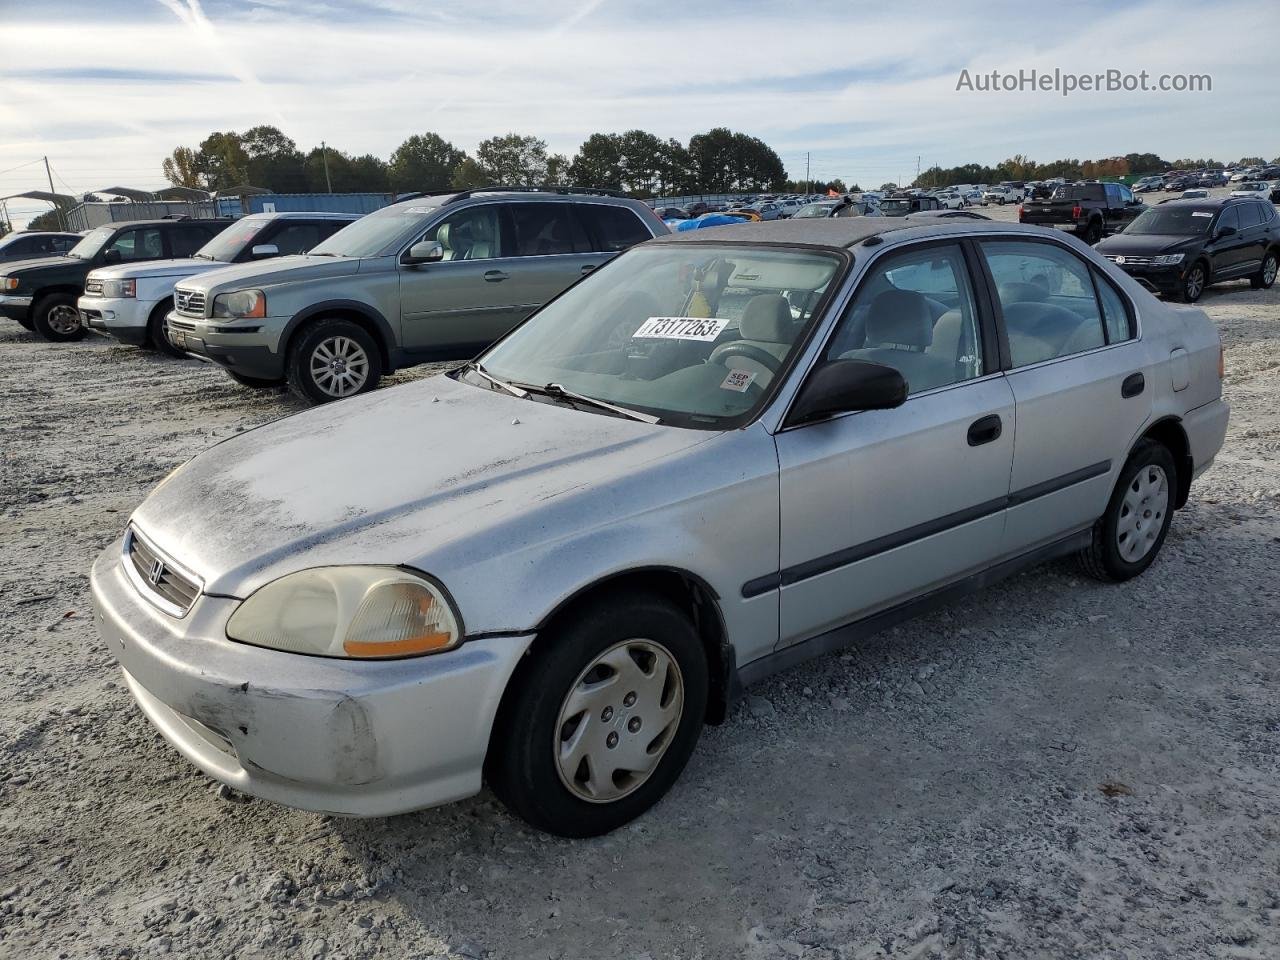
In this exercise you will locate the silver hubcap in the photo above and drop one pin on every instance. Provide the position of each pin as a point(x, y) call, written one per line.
point(1269, 271)
point(618, 719)
point(339, 366)
point(1195, 280)
point(64, 319)
point(1142, 513)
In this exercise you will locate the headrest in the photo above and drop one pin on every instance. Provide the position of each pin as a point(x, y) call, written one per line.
point(901, 317)
point(442, 235)
point(767, 318)
point(1018, 292)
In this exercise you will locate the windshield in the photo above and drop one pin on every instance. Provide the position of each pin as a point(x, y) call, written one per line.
point(370, 236)
point(693, 333)
point(88, 248)
point(1172, 221)
point(227, 245)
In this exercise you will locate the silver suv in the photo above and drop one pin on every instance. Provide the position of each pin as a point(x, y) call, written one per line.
point(430, 278)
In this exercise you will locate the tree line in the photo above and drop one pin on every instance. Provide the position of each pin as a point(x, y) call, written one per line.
point(635, 162)
point(1019, 167)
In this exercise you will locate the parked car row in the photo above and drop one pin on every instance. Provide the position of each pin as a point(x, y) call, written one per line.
point(726, 452)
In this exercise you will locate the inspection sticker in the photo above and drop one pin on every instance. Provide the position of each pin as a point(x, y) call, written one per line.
point(681, 328)
point(1201, 213)
point(738, 380)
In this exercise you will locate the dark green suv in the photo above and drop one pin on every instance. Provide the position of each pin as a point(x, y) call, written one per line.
point(41, 294)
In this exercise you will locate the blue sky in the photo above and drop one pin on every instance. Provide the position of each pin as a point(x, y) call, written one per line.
point(863, 88)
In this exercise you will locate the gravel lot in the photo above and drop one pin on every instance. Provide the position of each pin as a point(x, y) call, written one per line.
point(1054, 768)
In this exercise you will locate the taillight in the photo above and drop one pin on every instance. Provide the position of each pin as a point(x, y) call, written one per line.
point(1021, 211)
point(1076, 211)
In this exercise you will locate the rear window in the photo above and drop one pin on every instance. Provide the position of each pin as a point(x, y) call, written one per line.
point(614, 228)
point(1080, 191)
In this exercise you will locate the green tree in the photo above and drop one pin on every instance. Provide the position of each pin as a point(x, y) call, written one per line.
point(557, 170)
point(598, 163)
point(274, 160)
point(426, 162)
point(470, 175)
point(182, 168)
point(513, 159)
point(222, 161)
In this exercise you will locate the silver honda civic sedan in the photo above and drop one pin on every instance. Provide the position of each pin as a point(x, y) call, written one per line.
point(726, 452)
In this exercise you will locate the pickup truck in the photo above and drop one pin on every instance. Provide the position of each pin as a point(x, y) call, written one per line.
point(1089, 210)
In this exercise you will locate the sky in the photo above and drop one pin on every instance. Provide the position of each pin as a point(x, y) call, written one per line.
point(862, 91)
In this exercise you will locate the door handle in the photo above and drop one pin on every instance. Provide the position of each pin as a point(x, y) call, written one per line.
point(985, 430)
point(1133, 385)
point(588, 267)
point(495, 276)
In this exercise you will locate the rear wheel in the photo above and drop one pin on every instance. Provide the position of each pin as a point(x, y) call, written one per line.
point(1193, 283)
point(1093, 232)
point(1266, 275)
point(56, 318)
point(333, 359)
point(1128, 536)
point(157, 334)
point(603, 718)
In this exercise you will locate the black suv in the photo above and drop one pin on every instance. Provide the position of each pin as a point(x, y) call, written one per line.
point(41, 294)
point(1180, 247)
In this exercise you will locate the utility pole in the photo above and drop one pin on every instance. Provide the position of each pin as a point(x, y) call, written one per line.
point(62, 217)
point(917, 169)
point(806, 172)
point(324, 152)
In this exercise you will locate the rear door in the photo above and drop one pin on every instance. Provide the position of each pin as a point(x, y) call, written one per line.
point(550, 250)
point(1253, 233)
point(884, 505)
point(1079, 379)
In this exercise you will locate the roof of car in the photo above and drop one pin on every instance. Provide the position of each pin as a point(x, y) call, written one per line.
point(839, 231)
point(1202, 202)
point(303, 215)
point(168, 222)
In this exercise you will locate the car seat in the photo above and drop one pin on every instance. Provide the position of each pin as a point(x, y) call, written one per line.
point(899, 331)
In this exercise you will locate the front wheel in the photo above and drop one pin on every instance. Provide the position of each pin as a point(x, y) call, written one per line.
point(1193, 283)
point(333, 359)
point(158, 333)
point(1128, 536)
point(1266, 275)
point(56, 318)
point(599, 725)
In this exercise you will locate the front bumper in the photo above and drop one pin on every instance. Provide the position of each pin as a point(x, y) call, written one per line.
point(249, 347)
point(14, 307)
point(356, 738)
point(124, 318)
point(1164, 280)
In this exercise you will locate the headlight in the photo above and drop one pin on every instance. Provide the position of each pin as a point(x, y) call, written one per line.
point(119, 288)
point(355, 612)
point(1168, 259)
point(241, 304)
point(8, 283)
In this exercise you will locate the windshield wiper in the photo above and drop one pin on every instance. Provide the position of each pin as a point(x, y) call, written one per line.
point(557, 392)
point(474, 366)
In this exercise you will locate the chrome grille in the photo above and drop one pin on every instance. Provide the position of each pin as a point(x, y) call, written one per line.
point(189, 302)
point(1124, 260)
point(158, 578)
point(93, 288)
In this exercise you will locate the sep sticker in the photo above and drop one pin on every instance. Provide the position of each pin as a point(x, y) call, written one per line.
point(738, 380)
point(1201, 213)
point(681, 328)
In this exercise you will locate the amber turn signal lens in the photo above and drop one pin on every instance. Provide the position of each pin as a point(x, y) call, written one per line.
point(426, 643)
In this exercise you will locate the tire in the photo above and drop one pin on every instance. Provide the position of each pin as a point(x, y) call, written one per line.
point(157, 336)
point(56, 318)
point(1093, 232)
point(257, 383)
point(313, 369)
point(26, 322)
point(530, 766)
point(1266, 275)
point(1129, 535)
point(1194, 282)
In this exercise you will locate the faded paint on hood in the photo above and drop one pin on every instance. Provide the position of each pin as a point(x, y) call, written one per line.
point(388, 477)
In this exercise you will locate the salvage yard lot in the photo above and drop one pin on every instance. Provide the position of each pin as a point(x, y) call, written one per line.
point(1052, 768)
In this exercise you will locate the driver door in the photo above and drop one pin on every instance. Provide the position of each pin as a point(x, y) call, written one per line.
point(881, 506)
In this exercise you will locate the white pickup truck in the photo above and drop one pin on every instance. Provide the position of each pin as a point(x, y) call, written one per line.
point(1003, 193)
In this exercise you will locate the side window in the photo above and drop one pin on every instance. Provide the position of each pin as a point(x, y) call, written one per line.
point(1250, 215)
point(328, 228)
point(142, 244)
point(1113, 192)
point(547, 229)
point(1047, 299)
point(184, 241)
point(1115, 315)
point(915, 312)
point(63, 244)
point(1126, 195)
point(472, 234)
point(614, 228)
point(1228, 218)
point(294, 238)
point(25, 246)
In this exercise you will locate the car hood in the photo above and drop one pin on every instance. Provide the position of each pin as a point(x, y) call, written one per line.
point(14, 267)
point(1146, 244)
point(397, 476)
point(264, 273)
point(157, 268)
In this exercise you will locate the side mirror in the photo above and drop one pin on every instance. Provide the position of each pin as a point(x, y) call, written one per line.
point(425, 251)
point(843, 386)
point(111, 256)
point(1224, 232)
point(265, 250)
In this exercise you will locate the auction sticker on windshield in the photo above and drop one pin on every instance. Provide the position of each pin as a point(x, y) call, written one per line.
point(681, 328)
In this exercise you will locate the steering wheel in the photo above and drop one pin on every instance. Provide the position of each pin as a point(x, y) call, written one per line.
point(738, 348)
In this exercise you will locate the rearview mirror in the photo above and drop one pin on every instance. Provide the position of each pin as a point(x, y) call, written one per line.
point(844, 386)
point(425, 251)
point(266, 250)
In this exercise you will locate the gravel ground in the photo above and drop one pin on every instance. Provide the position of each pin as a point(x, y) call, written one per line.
point(1054, 768)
